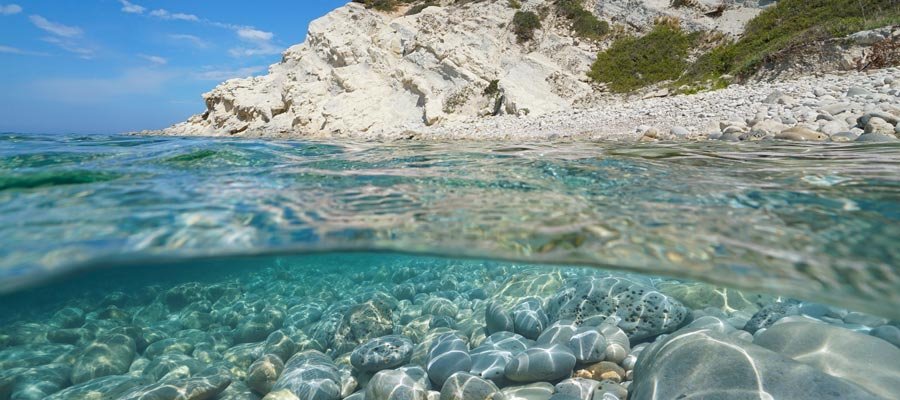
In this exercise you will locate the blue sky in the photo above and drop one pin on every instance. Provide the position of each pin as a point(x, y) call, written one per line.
point(106, 66)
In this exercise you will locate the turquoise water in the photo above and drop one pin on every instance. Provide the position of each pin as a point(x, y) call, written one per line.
point(133, 266)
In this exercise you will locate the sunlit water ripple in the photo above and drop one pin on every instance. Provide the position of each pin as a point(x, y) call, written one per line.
point(816, 221)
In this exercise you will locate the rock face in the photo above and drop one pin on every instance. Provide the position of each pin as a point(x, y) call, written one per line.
point(434, 66)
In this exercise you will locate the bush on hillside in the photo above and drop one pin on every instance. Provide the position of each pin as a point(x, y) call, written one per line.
point(634, 62)
point(524, 25)
point(584, 23)
point(788, 24)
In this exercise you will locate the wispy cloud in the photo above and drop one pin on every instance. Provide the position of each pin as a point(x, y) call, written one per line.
point(254, 34)
point(15, 50)
point(10, 9)
point(55, 28)
point(132, 8)
point(165, 14)
point(212, 74)
point(260, 41)
point(71, 46)
point(190, 39)
point(154, 59)
point(257, 42)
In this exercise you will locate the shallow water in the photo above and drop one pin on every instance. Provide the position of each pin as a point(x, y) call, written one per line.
point(142, 267)
point(817, 222)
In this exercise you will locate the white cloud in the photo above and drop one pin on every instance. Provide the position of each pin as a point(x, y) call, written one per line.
point(226, 74)
point(165, 14)
point(254, 35)
point(193, 40)
point(132, 8)
point(71, 46)
point(261, 40)
point(15, 50)
point(10, 9)
point(154, 59)
point(55, 28)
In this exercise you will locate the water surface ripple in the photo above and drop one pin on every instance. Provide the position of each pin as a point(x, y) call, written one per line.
point(820, 222)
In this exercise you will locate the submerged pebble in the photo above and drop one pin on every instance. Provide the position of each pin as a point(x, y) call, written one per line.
point(532, 335)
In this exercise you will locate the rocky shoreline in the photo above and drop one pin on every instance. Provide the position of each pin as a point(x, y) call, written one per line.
point(447, 331)
point(834, 107)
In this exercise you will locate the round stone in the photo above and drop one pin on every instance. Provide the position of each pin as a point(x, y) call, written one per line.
point(448, 355)
point(588, 344)
point(463, 386)
point(263, 373)
point(560, 332)
point(529, 319)
point(541, 363)
point(382, 353)
point(497, 319)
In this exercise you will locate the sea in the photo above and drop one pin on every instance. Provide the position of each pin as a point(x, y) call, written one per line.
point(142, 267)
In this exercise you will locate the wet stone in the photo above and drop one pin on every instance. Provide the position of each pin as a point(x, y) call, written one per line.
point(438, 306)
point(39, 382)
point(867, 361)
point(588, 344)
point(490, 358)
point(263, 373)
point(464, 386)
point(172, 366)
point(107, 387)
point(199, 388)
point(69, 317)
point(529, 319)
point(361, 323)
point(280, 344)
point(448, 355)
point(258, 326)
point(310, 375)
point(578, 388)
point(405, 383)
point(771, 313)
point(642, 311)
point(533, 391)
point(693, 363)
point(382, 353)
point(560, 332)
point(170, 345)
point(541, 363)
point(108, 355)
point(497, 319)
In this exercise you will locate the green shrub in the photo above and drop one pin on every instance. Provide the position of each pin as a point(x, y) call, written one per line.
point(514, 4)
point(584, 23)
point(492, 88)
point(634, 62)
point(788, 24)
point(419, 7)
point(524, 24)
point(380, 5)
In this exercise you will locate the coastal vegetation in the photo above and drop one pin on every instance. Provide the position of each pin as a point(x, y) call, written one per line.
point(584, 23)
point(634, 62)
point(524, 24)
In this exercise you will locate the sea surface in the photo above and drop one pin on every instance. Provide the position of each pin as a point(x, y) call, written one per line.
point(133, 265)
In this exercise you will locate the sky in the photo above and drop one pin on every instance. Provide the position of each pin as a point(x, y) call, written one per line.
point(109, 66)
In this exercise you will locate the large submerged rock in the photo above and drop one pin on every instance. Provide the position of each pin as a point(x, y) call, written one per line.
point(705, 363)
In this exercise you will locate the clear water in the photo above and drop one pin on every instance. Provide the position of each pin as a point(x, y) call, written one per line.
point(101, 222)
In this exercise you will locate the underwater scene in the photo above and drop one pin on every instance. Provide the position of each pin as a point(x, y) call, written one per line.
point(174, 268)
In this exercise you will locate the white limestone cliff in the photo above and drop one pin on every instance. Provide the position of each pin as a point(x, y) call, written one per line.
point(365, 71)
